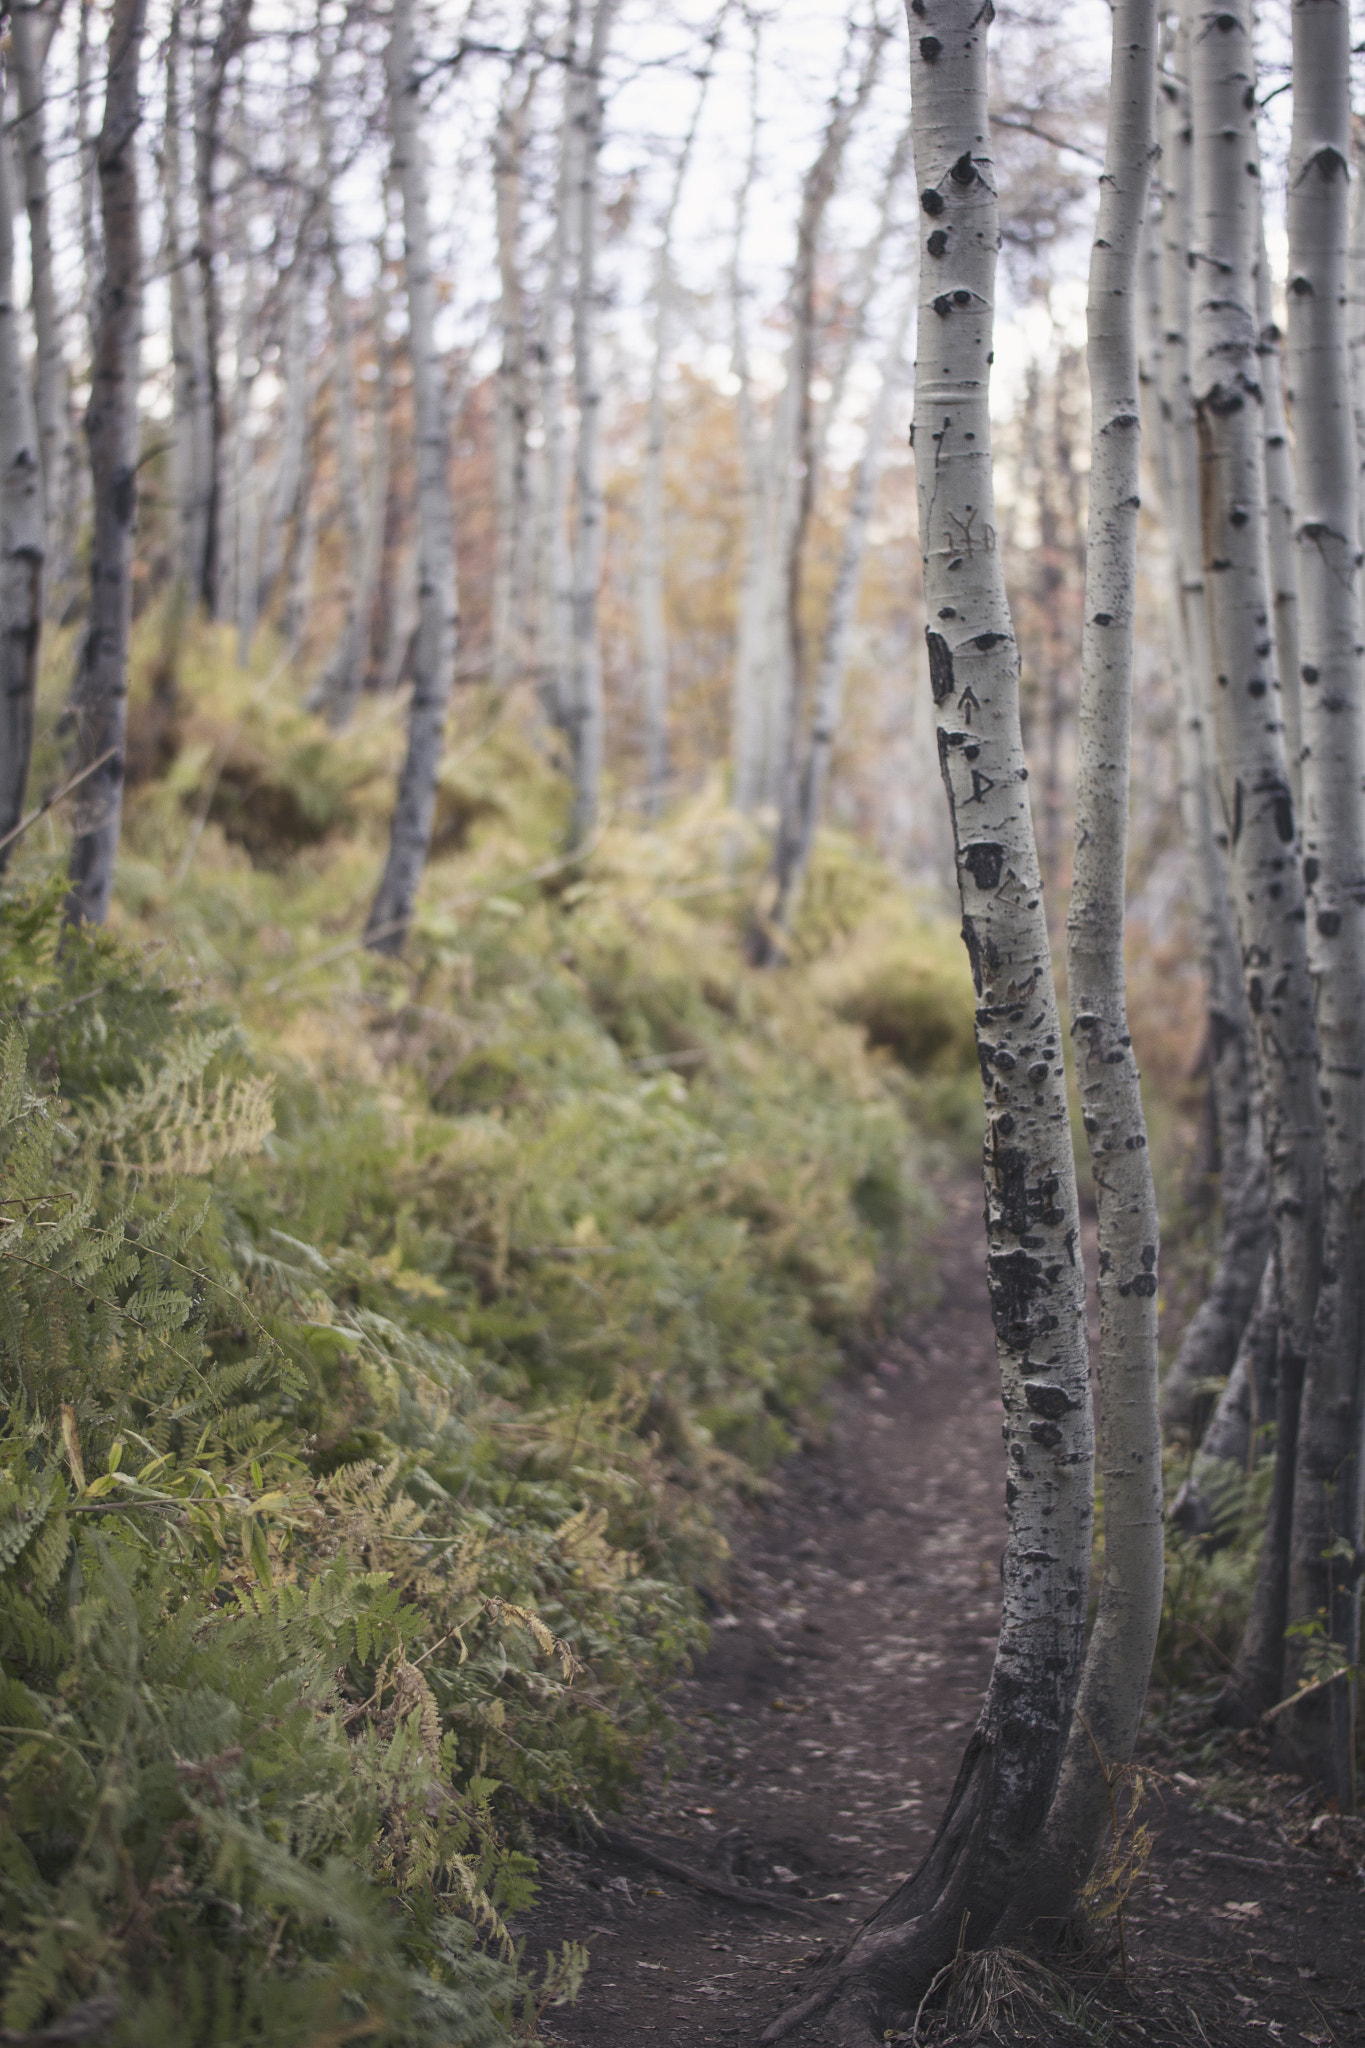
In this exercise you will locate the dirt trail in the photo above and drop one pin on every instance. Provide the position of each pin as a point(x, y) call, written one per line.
point(818, 1740)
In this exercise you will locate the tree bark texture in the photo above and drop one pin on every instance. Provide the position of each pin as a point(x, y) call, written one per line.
point(1252, 772)
point(192, 461)
point(512, 421)
point(993, 1827)
point(350, 665)
point(287, 479)
point(746, 684)
point(1279, 477)
point(49, 365)
point(649, 577)
point(234, 23)
point(22, 534)
point(1118, 1657)
point(101, 693)
point(1325, 1553)
point(587, 711)
point(801, 815)
point(1209, 1345)
point(553, 577)
point(438, 601)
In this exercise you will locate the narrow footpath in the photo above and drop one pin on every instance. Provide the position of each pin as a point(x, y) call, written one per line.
point(817, 1742)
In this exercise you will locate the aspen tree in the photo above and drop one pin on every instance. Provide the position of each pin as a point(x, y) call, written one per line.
point(1123, 1639)
point(1325, 1541)
point(650, 570)
point(512, 416)
point(801, 813)
point(100, 698)
point(991, 1832)
point(210, 79)
point(22, 536)
point(586, 708)
point(29, 50)
point(1251, 772)
point(438, 623)
point(1280, 527)
point(192, 465)
point(1209, 1346)
point(746, 699)
point(553, 574)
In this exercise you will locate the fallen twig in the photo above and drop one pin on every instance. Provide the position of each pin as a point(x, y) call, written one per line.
point(628, 1845)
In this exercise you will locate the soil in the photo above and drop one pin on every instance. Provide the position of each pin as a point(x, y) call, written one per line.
point(816, 1743)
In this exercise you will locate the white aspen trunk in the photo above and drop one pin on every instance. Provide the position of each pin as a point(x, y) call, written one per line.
point(1252, 772)
point(746, 701)
point(301, 561)
point(991, 1833)
point(438, 600)
point(192, 408)
point(553, 576)
point(797, 827)
point(798, 451)
point(1209, 1345)
point(210, 81)
point(22, 532)
point(511, 468)
point(649, 574)
point(287, 480)
point(1325, 1542)
point(1279, 480)
point(92, 261)
point(100, 698)
point(1357, 331)
point(50, 378)
point(859, 305)
point(586, 706)
point(346, 678)
point(1118, 1657)
point(245, 510)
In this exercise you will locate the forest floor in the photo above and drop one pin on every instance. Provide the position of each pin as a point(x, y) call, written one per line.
point(815, 1745)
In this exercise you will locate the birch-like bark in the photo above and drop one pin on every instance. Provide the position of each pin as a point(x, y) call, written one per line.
point(801, 451)
point(1005, 1785)
point(22, 532)
point(1252, 772)
point(1279, 480)
point(100, 699)
point(210, 83)
point(797, 825)
point(1118, 1657)
point(553, 577)
point(1357, 331)
point(87, 177)
point(1325, 1544)
point(587, 731)
point(746, 696)
point(49, 367)
point(438, 599)
point(511, 466)
point(193, 403)
point(245, 505)
point(649, 574)
point(346, 677)
point(1208, 1348)
point(287, 479)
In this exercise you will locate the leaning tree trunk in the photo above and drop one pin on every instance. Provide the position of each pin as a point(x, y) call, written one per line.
point(746, 683)
point(586, 708)
point(233, 26)
point(1252, 772)
point(21, 534)
point(287, 480)
point(1118, 1658)
point(50, 380)
point(1325, 1542)
point(1208, 1348)
point(438, 627)
point(801, 814)
point(991, 1832)
point(100, 699)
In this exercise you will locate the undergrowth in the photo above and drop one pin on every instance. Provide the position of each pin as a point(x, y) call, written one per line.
point(378, 1341)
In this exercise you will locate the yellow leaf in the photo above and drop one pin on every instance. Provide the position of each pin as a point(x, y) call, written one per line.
point(72, 1441)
